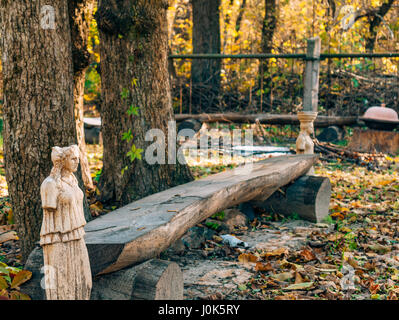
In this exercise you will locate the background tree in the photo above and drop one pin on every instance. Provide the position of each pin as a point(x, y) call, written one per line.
point(268, 28)
point(80, 14)
point(38, 103)
point(206, 39)
point(375, 18)
point(136, 97)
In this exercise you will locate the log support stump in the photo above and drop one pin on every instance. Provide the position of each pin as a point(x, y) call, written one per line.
point(308, 197)
point(372, 141)
point(152, 280)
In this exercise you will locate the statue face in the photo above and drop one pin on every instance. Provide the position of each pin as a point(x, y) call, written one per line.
point(71, 162)
point(310, 128)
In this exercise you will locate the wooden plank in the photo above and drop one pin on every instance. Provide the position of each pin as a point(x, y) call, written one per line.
point(321, 121)
point(143, 229)
point(312, 70)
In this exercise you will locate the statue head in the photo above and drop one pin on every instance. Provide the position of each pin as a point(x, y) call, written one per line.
point(307, 126)
point(66, 158)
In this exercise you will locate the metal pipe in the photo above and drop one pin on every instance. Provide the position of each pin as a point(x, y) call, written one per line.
point(283, 56)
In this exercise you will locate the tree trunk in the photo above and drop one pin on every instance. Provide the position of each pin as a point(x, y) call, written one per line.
point(268, 27)
point(374, 22)
point(80, 13)
point(239, 20)
point(134, 46)
point(38, 106)
point(206, 39)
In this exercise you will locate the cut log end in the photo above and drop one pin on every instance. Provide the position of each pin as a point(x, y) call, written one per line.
point(372, 141)
point(159, 280)
point(308, 197)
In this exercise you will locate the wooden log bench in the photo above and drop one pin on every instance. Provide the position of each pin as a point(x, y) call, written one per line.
point(120, 241)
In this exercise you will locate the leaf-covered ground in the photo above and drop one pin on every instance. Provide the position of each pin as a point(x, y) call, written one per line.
point(353, 254)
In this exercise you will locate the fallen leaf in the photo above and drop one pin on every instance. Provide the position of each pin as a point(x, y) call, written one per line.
point(378, 248)
point(283, 276)
point(16, 295)
point(4, 295)
point(7, 236)
point(307, 255)
point(299, 286)
point(247, 257)
point(335, 236)
point(275, 253)
point(3, 283)
point(242, 287)
point(20, 278)
point(374, 288)
point(260, 266)
point(298, 278)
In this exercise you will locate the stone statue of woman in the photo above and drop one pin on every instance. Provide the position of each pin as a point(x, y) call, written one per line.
point(304, 143)
point(67, 272)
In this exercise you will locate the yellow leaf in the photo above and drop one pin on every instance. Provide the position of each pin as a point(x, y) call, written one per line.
point(345, 229)
point(3, 283)
point(247, 257)
point(385, 182)
point(20, 278)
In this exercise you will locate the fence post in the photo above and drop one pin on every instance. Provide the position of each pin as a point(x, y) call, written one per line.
point(311, 84)
point(304, 143)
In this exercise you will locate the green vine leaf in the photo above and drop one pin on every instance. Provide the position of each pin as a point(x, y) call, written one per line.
point(125, 93)
point(127, 136)
point(133, 111)
point(123, 170)
point(135, 153)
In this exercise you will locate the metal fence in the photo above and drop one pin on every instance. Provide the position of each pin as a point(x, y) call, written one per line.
point(349, 83)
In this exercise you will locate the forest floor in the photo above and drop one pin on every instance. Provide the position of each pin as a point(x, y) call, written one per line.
point(353, 254)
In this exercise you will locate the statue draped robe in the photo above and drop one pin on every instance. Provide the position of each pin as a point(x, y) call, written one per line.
point(66, 260)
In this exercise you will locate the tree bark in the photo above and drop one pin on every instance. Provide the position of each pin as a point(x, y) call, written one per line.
point(134, 47)
point(38, 106)
point(80, 13)
point(268, 27)
point(206, 39)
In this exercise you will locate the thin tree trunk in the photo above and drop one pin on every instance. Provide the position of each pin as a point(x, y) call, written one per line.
point(268, 27)
point(239, 20)
point(80, 14)
point(134, 68)
point(206, 39)
point(38, 106)
point(374, 23)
